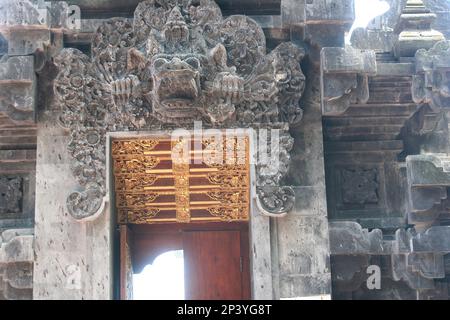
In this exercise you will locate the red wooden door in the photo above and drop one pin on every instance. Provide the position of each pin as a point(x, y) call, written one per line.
point(126, 268)
point(215, 265)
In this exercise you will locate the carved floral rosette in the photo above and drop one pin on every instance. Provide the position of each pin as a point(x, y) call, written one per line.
point(176, 62)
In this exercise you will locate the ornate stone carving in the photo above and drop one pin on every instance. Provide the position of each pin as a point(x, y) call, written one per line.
point(416, 258)
point(10, 195)
point(359, 185)
point(428, 181)
point(431, 83)
point(176, 62)
point(345, 73)
point(276, 201)
point(272, 198)
point(85, 203)
point(16, 264)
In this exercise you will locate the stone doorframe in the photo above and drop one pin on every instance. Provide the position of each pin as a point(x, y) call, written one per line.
point(130, 82)
point(259, 222)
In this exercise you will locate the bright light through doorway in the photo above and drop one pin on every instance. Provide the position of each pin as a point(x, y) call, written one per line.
point(366, 11)
point(162, 280)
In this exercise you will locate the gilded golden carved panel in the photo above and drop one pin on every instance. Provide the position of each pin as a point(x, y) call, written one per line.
point(181, 180)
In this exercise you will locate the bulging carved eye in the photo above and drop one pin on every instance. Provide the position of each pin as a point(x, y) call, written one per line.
point(193, 62)
point(282, 76)
point(159, 62)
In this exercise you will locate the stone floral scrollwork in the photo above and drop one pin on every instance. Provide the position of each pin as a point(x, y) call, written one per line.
point(276, 201)
point(86, 203)
point(245, 43)
point(273, 199)
point(177, 61)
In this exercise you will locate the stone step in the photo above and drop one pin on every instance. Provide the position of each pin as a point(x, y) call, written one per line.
point(386, 56)
point(363, 146)
point(18, 142)
point(18, 131)
point(381, 90)
point(365, 121)
point(17, 166)
point(395, 69)
point(355, 130)
point(394, 85)
point(389, 78)
point(385, 109)
point(395, 96)
point(17, 154)
point(6, 122)
point(362, 133)
point(363, 156)
point(386, 60)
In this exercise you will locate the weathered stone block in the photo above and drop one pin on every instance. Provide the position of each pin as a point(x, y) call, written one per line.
point(19, 249)
point(416, 258)
point(303, 246)
point(309, 201)
point(298, 12)
point(22, 12)
point(428, 180)
point(302, 286)
point(349, 238)
point(26, 41)
point(67, 251)
point(345, 74)
point(431, 82)
point(348, 60)
point(17, 87)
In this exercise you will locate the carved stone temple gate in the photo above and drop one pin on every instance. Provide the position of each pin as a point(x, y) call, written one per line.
point(362, 179)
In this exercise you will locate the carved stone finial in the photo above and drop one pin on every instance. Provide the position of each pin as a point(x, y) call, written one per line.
point(414, 29)
point(176, 29)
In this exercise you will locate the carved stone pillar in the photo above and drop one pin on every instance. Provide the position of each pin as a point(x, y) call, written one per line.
point(300, 240)
point(31, 31)
point(23, 31)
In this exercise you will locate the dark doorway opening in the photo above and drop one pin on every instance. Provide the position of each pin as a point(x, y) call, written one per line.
point(215, 257)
